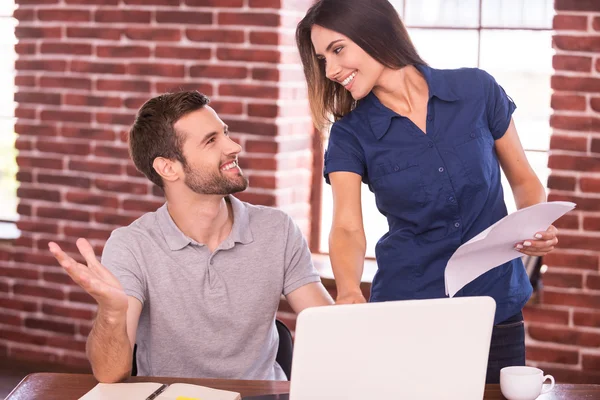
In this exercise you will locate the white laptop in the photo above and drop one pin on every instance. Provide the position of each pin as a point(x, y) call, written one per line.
point(418, 349)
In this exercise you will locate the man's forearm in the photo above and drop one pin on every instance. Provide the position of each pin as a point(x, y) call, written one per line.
point(108, 348)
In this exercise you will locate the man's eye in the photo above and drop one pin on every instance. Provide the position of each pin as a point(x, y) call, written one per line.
point(211, 140)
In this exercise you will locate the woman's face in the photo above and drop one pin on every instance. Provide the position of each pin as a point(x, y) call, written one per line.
point(345, 62)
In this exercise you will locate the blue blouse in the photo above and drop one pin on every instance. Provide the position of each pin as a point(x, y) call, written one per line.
point(437, 190)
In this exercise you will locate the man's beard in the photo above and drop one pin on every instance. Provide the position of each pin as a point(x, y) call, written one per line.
point(216, 183)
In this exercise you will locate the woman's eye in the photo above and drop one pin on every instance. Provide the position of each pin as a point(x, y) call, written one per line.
point(337, 50)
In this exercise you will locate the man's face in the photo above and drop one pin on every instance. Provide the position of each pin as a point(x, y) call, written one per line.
point(211, 156)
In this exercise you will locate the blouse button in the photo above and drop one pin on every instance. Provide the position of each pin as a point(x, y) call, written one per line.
point(441, 169)
point(430, 144)
point(396, 168)
point(457, 224)
point(472, 135)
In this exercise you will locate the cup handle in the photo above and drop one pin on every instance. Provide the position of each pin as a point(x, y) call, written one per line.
point(551, 384)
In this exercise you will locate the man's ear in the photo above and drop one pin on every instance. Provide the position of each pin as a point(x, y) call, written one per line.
point(167, 169)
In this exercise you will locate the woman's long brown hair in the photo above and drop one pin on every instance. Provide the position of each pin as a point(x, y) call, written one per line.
point(374, 25)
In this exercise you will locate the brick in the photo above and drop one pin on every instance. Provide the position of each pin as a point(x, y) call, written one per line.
point(96, 167)
point(24, 144)
point(244, 90)
point(23, 32)
point(249, 55)
point(24, 129)
point(25, 80)
point(22, 112)
point(540, 314)
point(583, 203)
point(26, 48)
point(255, 128)
point(567, 222)
point(80, 297)
point(38, 291)
point(103, 33)
point(573, 299)
point(67, 246)
point(575, 84)
point(23, 337)
point(154, 69)
point(575, 123)
point(248, 19)
point(576, 5)
point(568, 102)
point(184, 17)
point(552, 355)
point(96, 233)
point(76, 49)
point(263, 182)
point(39, 194)
point(125, 51)
point(41, 65)
point(92, 199)
point(227, 107)
point(24, 14)
point(121, 186)
point(18, 304)
point(52, 326)
point(589, 184)
point(58, 277)
point(37, 226)
point(215, 35)
point(132, 171)
point(591, 224)
point(264, 199)
point(24, 209)
point(114, 219)
point(573, 143)
point(174, 86)
point(124, 16)
point(95, 2)
point(258, 163)
point(595, 147)
point(570, 22)
point(20, 272)
point(562, 280)
point(134, 102)
point(66, 343)
point(596, 23)
point(574, 163)
point(80, 363)
point(561, 182)
point(24, 176)
point(586, 318)
point(590, 361)
point(71, 116)
point(172, 3)
point(265, 38)
point(66, 148)
point(111, 151)
point(67, 15)
point(153, 34)
point(214, 71)
point(183, 53)
point(141, 205)
point(87, 133)
point(70, 214)
point(65, 83)
point(92, 101)
point(114, 118)
point(592, 281)
point(40, 356)
point(115, 85)
point(595, 103)
point(215, 3)
point(265, 74)
point(96, 67)
point(10, 319)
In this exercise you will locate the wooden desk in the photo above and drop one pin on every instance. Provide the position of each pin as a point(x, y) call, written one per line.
point(51, 386)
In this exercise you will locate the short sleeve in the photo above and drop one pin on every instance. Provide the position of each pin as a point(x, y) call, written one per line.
point(343, 153)
point(299, 269)
point(499, 107)
point(121, 262)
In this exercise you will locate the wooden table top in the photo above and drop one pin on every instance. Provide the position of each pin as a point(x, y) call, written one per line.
point(53, 386)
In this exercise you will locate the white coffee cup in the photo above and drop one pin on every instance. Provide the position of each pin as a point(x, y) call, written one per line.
point(523, 383)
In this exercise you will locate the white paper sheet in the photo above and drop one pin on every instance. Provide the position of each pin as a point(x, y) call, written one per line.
point(495, 245)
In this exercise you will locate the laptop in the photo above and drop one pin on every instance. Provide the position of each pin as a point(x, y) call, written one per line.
point(414, 349)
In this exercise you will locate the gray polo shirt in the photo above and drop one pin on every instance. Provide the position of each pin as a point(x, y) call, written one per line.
point(210, 315)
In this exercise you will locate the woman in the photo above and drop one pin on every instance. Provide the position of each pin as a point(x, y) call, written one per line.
point(430, 144)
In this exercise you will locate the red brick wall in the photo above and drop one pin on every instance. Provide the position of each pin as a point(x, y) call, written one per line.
point(83, 69)
point(564, 330)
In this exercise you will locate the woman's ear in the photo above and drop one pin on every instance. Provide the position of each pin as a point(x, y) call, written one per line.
point(167, 169)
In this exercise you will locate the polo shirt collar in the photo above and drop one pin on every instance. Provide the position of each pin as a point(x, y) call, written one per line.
point(380, 117)
point(177, 240)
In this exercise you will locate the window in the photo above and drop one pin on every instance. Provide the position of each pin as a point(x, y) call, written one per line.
point(510, 39)
point(8, 165)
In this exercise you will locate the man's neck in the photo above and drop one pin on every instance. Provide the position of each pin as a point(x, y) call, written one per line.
point(206, 219)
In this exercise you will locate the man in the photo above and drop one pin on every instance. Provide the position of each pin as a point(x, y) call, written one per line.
point(195, 284)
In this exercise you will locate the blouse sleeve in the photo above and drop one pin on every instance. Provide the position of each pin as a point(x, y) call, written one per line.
point(344, 153)
point(499, 107)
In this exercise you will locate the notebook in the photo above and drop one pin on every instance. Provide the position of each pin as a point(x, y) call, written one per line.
point(413, 349)
point(145, 390)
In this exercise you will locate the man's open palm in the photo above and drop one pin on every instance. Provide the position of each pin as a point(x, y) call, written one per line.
point(94, 278)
